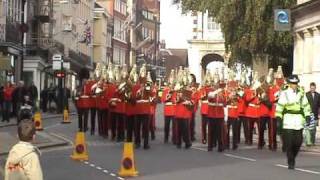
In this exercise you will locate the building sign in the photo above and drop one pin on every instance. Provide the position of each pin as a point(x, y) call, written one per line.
point(282, 20)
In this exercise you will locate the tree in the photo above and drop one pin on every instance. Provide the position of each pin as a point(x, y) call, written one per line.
point(248, 27)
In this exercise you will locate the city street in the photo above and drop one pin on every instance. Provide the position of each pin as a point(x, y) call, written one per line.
point(165, 161)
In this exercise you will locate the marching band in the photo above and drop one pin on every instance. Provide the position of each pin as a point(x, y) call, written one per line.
point(125, 103)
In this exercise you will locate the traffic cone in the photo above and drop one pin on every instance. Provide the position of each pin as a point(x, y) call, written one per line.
point(66, 117)
point(38, 121)
point(127, 164)
point(80, 149)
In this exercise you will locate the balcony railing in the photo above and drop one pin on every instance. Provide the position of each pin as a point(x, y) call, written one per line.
point(44, 10)
point(13, 33)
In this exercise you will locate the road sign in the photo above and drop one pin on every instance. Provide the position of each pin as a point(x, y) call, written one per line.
point(282, 20)
point(66, 65)
point(56, 65)
point(57, 57)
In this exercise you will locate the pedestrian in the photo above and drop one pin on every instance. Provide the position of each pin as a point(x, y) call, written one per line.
point(7, 101)
point(314, 101)
point(1, 102)
point(33, 91)
point(44, 99)
point(293, 111)
point(23, 160)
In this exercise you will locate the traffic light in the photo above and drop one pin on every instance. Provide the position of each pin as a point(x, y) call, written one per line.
point(59, 74)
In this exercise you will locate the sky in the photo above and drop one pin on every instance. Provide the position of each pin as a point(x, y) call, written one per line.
point(175, 28)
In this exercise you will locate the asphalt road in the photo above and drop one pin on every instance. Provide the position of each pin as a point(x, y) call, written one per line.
point(165, 161)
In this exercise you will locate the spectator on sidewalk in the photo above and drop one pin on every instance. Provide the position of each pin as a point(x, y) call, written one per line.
point(23, 160)
point(33, 92)
point(44, 99)
point(18, 96)
point(7, 101)
point(314, 101)
point(1, 102)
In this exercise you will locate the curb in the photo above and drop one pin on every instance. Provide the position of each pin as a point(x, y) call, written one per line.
point(47, 145)
point(48, 117)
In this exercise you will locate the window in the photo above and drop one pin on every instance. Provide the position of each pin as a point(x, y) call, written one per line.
point(147, 33)
point(109, 39)
point(213, 26)
point(119, 31)
point(119, 55)
point(121, 7)
point(148, 15)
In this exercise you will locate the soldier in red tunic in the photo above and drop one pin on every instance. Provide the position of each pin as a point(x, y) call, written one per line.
point(205, 89)
point(144, 99)
point(82, 104)
point(253, 110)
point(169, 105)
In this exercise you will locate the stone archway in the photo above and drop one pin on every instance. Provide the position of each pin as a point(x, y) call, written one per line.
point(207, 59)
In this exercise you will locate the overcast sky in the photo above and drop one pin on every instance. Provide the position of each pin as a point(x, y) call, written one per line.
point(176, 29)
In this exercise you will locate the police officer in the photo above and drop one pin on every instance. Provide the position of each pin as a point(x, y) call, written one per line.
point(293, 111)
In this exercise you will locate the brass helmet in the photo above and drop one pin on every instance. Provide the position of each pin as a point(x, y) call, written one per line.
point(171, 79)
point(149, 82)
point(110, 72)
point(215, 78)
point(186, 77)
point(143, 71)
point(248, 76)
point(256, 82)
point(133, 76)
point(279, 73)
point(207, 78)
point(243, 78)
point(270, 76)
point(104, 73)
point(124, 72)
point(117, 75)
point(97, 71)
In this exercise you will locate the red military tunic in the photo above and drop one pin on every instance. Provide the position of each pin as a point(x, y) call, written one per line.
point(216, 106)
point(204, 102)
point(273, 96)
point(253, 108)
point(102, 100)
point(183, 112)
point(232, 106)
point(169, 104)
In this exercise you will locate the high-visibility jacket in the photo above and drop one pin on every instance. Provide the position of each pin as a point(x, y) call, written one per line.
point(292, 108)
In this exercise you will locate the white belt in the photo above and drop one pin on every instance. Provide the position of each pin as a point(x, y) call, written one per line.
point(232, 107)
point(84, 96)
point(94, 96)
point(205, 101)
point(142, 101)
point(216, 104)
point(168, 103)
point(254, 105)
point(115, 99)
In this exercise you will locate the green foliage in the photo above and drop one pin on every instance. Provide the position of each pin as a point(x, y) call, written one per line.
point(248, 26)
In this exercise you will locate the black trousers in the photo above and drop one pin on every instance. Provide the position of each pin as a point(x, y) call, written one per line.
point(244, 122)
point(251, 122)
point(264, 121)
point(130, 127)
point(292, 140)
point(117, 126)
point(143, 121)
point(272, 132)
point(215, 133)
point(83, 119)
point(93, 112)
point(183, 132)
point(234, 123)
point(204, 125)
point(103, 122)
point(167, 121)
point(192, 127)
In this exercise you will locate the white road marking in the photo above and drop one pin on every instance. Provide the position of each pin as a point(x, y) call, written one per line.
point(112, 174)
point(120, 178)
point(299, 169)
point(240, 157)
point(86, 162)
point(106, 171)
point(63, 137)
point(99, 168)
point(200, 149)
point(92, 165)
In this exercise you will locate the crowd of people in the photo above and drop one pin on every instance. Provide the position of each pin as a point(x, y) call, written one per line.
point(13, 96)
